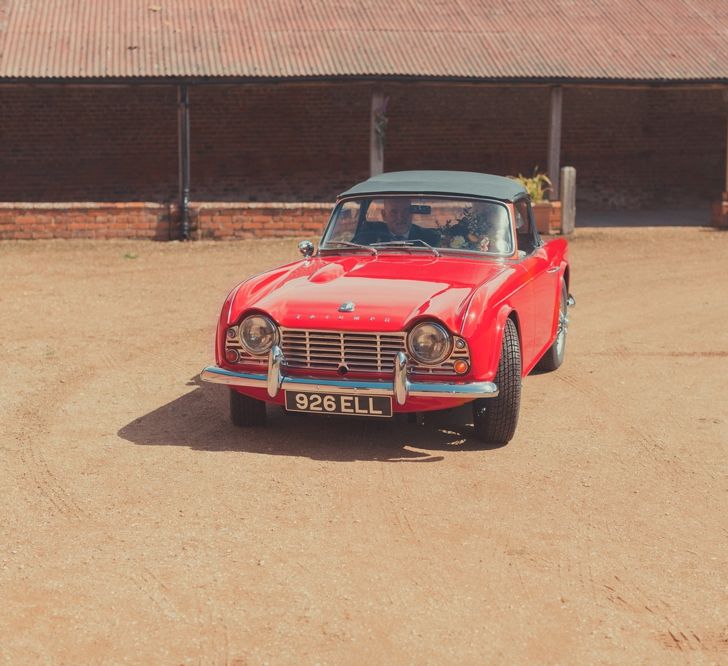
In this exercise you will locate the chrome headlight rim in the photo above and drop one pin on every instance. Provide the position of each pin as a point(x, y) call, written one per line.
point(447, 337)
point(258, 351)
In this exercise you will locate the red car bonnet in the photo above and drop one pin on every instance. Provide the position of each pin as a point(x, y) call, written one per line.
point(388, 291)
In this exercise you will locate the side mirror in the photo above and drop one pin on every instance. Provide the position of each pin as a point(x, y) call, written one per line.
point(306, 248)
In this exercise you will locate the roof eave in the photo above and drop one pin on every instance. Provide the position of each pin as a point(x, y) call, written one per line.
point(363, 78)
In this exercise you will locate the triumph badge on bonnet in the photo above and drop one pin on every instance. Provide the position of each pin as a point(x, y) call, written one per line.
point(347, 307)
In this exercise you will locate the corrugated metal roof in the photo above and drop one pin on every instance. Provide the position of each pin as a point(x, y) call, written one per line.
point(471, 39)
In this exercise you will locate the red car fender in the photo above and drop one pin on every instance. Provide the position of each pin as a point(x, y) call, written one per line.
point(223, 322)
point(494, 351)
point(484, 335)
point(231, 309)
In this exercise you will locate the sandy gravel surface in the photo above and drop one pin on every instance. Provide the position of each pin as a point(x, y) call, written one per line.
point(138, 525)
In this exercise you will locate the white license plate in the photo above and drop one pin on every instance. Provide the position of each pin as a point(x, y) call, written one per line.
point(335, 403)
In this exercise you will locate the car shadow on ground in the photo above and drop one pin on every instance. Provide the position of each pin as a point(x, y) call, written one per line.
point(199, 420)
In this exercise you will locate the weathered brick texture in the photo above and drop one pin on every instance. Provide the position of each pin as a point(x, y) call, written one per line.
point(294, 142)
point(88, 144)
point(217, 221)
point(84, 220)
point(278, 143)
point(645, 148)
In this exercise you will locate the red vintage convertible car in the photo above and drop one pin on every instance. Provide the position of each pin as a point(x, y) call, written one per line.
point(430, 289)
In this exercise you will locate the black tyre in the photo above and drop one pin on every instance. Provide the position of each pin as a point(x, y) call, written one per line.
point(554, 355)
point(495, 419)
point(246, 411)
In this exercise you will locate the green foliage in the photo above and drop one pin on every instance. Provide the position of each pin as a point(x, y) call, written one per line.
point(536, 185)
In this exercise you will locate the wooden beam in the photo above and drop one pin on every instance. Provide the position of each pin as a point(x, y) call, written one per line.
point(377, 130)
point(554, 156)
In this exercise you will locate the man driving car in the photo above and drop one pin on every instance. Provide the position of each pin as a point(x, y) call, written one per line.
point(396, 225)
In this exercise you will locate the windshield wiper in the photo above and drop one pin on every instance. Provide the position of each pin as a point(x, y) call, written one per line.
point(356, 246)
point(408, 243)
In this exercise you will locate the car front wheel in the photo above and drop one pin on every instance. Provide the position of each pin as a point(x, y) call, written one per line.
point(495, 419)
point(246, 411)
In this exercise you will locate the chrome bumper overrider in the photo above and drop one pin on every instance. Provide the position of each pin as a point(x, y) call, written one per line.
point(400, 387)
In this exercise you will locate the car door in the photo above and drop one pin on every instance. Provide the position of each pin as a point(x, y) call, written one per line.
point(543, 278)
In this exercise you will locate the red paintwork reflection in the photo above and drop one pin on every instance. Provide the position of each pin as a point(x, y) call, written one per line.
point(391, 291)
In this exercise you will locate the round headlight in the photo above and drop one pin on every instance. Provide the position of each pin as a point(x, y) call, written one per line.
point(258, 334)
point(429, 343)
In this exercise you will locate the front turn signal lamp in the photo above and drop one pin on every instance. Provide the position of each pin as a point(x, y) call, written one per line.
point(461, 367)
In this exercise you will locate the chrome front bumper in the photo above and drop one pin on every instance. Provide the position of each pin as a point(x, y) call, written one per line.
point(400, 387)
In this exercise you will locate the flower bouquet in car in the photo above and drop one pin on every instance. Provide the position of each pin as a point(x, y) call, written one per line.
point(469, 232)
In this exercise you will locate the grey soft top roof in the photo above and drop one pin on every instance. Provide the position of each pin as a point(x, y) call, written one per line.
point(466, 183)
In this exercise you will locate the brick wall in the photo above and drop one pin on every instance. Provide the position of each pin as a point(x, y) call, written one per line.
point(84, 220)
point(216, 221)
point(278, 143)
point(631, 148)
point(219, 221)
point(291, 143)
point(490, 129)
point(88, 144)
point(645, 148)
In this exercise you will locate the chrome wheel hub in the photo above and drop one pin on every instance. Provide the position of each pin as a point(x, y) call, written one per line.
point(563, 328)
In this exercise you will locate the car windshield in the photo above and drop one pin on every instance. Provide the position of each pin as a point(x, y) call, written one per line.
point(417, 223)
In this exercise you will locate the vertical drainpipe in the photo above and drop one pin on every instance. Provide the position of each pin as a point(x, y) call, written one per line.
point(183, 140)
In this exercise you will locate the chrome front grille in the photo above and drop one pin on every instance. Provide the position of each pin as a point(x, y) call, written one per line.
point(360, 352)
point(330, 350)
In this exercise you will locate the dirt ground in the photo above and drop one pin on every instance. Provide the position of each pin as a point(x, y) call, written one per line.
point(138, 525)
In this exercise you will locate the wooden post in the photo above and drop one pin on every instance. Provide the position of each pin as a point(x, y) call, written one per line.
point(554, 158)
point(377, 132)
point(568, 200)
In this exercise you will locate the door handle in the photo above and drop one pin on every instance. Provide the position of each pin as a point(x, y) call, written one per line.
point(553, 269)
